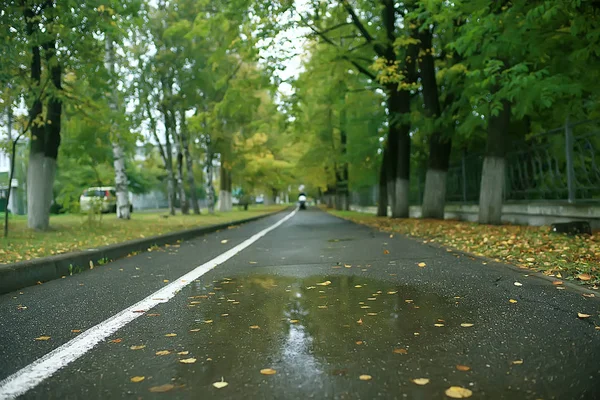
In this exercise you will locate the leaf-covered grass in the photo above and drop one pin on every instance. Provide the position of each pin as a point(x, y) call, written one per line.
point(71, 232)
point(528, 247)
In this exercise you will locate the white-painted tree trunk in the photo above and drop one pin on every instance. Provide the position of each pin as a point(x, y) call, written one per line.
point(121, 181)
point(40, 177)
point(400, 200)
point(123, 206)
point(434, 198)
point(492, 187)
point(225, 201)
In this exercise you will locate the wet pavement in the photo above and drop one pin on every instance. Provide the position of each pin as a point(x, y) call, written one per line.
point(331, 310)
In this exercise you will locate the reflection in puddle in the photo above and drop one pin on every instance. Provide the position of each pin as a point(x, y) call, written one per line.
point(319, 331)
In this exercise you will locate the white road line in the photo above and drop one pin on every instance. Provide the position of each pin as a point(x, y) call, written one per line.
point(33, 374)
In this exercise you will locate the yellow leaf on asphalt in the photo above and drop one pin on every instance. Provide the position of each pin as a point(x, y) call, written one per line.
point(224, 241)
point(391, 292)
point(365, 377)
point(420, 381)
point(171, 335)
point(252, 262)
point(438, 325)
point(221, 384)
point(208, 321)
point(188, 360)
point(195, 330)
point(517, 362)
point(400, 351)
point(91, 264)
point(294, 321)
point(457, 392)
point(165, 280)
point(326, 283)
point(360, 321)
point(372, 313)
point(359, 342)
point(422, 264)
point(589, 295)
point(75, 330)
point(162, 388)
point(322, 306)
point(584, 277)
point(466, 325)
point(137, 347)
point(119, 340)
point(183, 353)
point(254, 327)
point(268, 371)
point(386, 252)
point(357, 286)
point(365, 307)
point(43, 338)
point(163, 352)
point(462, 368)
point(581, 315)
point(137, 379)
point(513, 301)
point(556, 283)
point(347, 266)
point(152, 315)
point(518, 284)
point(372, 298)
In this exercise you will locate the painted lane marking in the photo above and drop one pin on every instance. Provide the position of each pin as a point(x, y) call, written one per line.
point(32, 375)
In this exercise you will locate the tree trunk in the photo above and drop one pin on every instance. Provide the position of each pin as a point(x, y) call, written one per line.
point(189, 164)
point(182, 196)
point(123, 206)
point(45, 141)
point(342, 190)
point(225, 188)
point(493, 173)
point(169, 162)
point(382, 204)
point(210, 190)
point(439, 147)
point(398, 171)
point(165, 158)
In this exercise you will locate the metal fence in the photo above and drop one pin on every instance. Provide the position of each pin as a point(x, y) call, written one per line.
point(561, 164)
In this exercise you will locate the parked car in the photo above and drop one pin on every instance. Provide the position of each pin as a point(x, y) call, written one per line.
point(104, 198)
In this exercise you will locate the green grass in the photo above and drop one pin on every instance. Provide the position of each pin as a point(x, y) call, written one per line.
point(528, 247)
point(70, 232)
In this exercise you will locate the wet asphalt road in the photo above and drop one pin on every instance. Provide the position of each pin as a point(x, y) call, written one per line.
point(321, 301)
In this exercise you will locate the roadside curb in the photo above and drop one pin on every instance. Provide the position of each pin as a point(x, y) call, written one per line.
point(21, 274)
point(490, 261)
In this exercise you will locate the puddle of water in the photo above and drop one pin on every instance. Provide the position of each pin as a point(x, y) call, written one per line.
point(313, 330)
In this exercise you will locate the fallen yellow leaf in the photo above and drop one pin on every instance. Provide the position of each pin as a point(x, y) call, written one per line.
point(517, 362)
point(438, 325)
point(43, 338)
point(365, 377)
point(188, 360)
point(254, 327)
point(163, 352)
point(357, 286)
point(137, 347)
point(462, 368)
point(420, 381)
point(119, 340)
point(224, 241)
point(372, 313)
point(581, 315)
point(208, 321)
point(268, 371)
point(556, 283)
point(162, 388)
point(422, 264)
point(195, 330)
point(171, 335)
point(294, 321)
point(359, 342)
point(165, 280)
point(360, 321)
point(152, 315)
point(137, 379)
point(400, 351)
point(183, 353)
point(466, 325)
point(221, 384)
point(589, 295)
point(391, 292)
point(326, 283)
point(386, 252)
point(347, 266)
point(513, 301)
point(457, 392)
point(584, 277)
point(322, 306)
point(75, 330)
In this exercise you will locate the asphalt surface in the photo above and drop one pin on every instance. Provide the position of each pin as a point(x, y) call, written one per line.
point(321, 301)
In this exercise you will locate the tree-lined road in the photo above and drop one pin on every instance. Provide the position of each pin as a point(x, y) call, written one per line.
point(337, 310)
